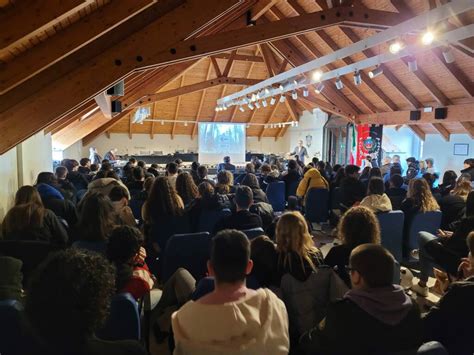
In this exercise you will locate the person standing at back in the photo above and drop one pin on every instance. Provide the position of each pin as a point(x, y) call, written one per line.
point(233, 318)
point(226, 165)
point(300, 151)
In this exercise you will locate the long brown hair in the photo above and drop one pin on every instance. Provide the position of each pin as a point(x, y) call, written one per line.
point(359, 225)
point(186, 188)
point(225, 180)
point(292, 236)
point(162, 201)
point(463, 188)
point(97, 217)
point(28, 211)
point(419, 191)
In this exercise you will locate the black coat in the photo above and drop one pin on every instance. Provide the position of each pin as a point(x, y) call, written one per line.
point(352, 191)
point(453, 208)
point(469, 171)
point(241, 220)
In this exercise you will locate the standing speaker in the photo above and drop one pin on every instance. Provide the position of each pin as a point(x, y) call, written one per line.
point(441, 113)
point(117, 90)
point(415, 115)
point(116, 106)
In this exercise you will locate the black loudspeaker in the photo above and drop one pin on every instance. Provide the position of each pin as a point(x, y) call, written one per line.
point(117, 90)
point(415, 115)
point(441, 113)
point(116, 106)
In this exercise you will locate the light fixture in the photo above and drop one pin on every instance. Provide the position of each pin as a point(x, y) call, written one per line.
point(282, 98)
point(412, 64)
point(427, 38)
point(257, 104)
point(317, 75)
point(251, 106)
point(224, 107)
point(162, 123)
point(296, 123)
point(217, 109)
point(319, 88)
point(339, 84)
point(305, 92)
point(253, 97)
point(395, 47)
point(241, 108)
point(281, 87)
point(376, 72)
point(267, 91)
point(357, 78)
point(185, 123)
point(294, 95)
point(272, 100)
point(264, 103)
point(266, 126)
point(448, 55)
point(246, 100)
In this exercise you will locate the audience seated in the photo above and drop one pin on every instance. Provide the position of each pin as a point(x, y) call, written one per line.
point(374, 317)
point(103, 183)
point(186, 188)
point(28, 219)
point(194, 172)
point(448, 183)
point(376, 199)
point(352, 189)
point(450, 321)
point(296, 252)
point(152, 171)
point(430, 179)
point(386, 165)
point(84, 166)
point(469, 168)
point(66, 186)
point(312, 179)
point(242, 218)
point(249, 169)
point(232, 318)
point(453, 205)
point(138, 178)
point(225, 182)
point(125, 250)
point(79, 181)
point(265, 261)
point(11, 278)
point(67, 303)
point(226, 165)
point(340, 174)
point(172, 173)
point(118, 196)
point(396, 192)
point(358, 225)
point(365, 175)
point(251, 181)
point(268, 176)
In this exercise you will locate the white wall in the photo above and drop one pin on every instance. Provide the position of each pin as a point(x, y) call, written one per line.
point(9, 179)
point(442, 152)
point(402, 142)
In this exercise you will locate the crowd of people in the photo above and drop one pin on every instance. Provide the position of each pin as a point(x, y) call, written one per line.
point(274, 294)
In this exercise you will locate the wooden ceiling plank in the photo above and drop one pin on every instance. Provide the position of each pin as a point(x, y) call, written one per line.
point(215, 65)
point(130, 122)
point(268, 59)
point(469, 128)
point(71, 39)
point(201, 102)
point(442, 130)
point(261, 8)
point(418, 131)
point(240, 57)
point(176, 112)
point(153, 115)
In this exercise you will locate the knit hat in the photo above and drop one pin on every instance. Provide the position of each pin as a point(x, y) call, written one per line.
point(10, 278)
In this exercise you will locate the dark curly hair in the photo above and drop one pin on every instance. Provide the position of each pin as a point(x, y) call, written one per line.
point(162, 201)
point(124, 243)
point(186, 187)
point(359, 225)
point(69, 297)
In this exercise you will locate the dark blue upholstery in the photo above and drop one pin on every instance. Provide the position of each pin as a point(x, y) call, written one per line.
point(164, 228)
point(291, 189)
point(391, 229)
point(189, 251)
point(336, 198)
point(209, 218)
point(253, 233)
point(97, 246)
point(10, 326)
point(423, 222)
point(276, 195)
point(124, 320)
point(136, 207)
point(317, 205)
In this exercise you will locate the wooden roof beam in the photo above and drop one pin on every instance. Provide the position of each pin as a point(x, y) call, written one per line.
point(176, 112)
point(261, 8)
point(105, 104)
point(418, 131)
point(201, 102)
point(442, 130)
point(68, 40)
point(240, 57)
point(469, 128)
point(215, 65)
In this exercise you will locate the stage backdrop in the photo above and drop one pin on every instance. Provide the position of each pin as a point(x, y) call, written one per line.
point(217, 140)
point(369, 142)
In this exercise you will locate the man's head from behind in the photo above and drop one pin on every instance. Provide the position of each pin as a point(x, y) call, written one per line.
point(243, 198)
point(371, 266)
point(230, 257)
point(227, 159)
point(352, 170)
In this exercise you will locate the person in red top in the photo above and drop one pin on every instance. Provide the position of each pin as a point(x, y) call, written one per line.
point(125, 251)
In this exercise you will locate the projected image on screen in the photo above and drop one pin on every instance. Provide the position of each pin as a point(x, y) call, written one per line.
point(217, 140)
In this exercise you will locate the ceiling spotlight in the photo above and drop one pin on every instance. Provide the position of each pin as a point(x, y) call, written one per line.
point(217, 109)
point(241, 108)
point(296, 123)
point(427, 38)
point(281, 87)
point(395, 47)
point(251, 106)
point(272, 100)
point(294, 95)
point(376, 72)
point(319, 88)
point(317, 75)
point(412, 64)
point(264, 103)
point(357, 78)
point(162, 123)
point(266, 126)
point(253, 97)
point(185, 124)
point(224, 107)
point(305, 92)
point(267, 91)
point(257, 104)
point(245, 100)
point(339, 84)
point(282, 98)
point(448, 55)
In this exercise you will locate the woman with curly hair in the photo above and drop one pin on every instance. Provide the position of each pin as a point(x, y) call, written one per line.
point(358, 225)
point(225, 182)
point(65, 322)
point(186, 188)
point(297, 254)
point(29, 220)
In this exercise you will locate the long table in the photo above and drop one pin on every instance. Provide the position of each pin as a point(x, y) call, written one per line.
point(185, 157)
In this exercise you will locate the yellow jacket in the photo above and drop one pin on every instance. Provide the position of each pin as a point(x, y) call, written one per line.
point(312, 178)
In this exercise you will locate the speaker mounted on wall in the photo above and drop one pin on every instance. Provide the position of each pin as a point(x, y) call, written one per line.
point(116, 106)
point(117, 90)
point(415, 115)
point(441, 113)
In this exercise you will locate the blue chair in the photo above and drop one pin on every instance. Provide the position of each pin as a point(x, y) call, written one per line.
point(423, 222)
point(10, 326)
point(136, 207)
point(164, 228)
point(189, 251)
point(97, 246)
point(291, 189)
point(391, 229)
point(253, 233)
point(123, 322)
point(276, 195)
point(336, 198)
point(317, 205)
point(209, 218)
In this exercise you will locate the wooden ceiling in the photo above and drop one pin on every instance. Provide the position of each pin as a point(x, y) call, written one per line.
point(179, 56)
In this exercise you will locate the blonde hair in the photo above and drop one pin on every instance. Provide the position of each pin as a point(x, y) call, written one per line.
point(462, 188)
point(292, 235)
point(419, 191)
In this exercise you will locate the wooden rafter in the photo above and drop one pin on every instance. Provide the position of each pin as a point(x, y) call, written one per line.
point(261, 8)
point(153, 115)
point(469, 128)
point(269, 118)
point(176, 112)
point(418, 131)
point(229, 64)
point(268, 59)
point(130, 124)
point(240, 57)
point(215, 65)
point(105, 104)
point(442, 130)
point(293, 115)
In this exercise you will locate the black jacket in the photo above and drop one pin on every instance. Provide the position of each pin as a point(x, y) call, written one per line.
point(352, 191)
point(450, 321)
point(338, 258)
point(64, 209)
point(396, 196)
point(299, 268)
point(241, 220)
point(197, 206)
point(453, 208)
point(469, 171)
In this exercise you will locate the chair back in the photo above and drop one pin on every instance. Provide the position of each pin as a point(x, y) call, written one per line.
point(97, 246)
point(432, 348)
point(162, 230)
point(30, 252)
point(276, 195)
point(10, 326)
point(189, 251)
point(209, 219)
point(391, 230)
point(317, 205)
point(123, 322)
point(336, 198)
point(423, 222)
point(136, 207)
point(291, 188)
point(254, 232)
